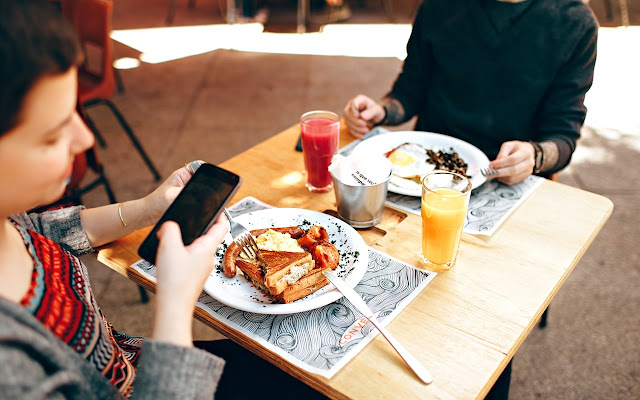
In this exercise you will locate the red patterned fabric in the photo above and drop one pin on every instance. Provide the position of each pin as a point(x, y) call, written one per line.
point(60, 297)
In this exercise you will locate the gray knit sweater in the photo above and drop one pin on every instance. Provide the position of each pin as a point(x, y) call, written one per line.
point(35, 364)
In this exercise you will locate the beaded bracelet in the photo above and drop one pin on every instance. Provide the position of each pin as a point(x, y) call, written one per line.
point(538, 149)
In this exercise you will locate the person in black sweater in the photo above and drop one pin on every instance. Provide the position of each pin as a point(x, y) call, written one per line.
point(508, 76)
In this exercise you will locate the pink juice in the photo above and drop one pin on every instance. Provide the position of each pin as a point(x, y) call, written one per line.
point(319, 144)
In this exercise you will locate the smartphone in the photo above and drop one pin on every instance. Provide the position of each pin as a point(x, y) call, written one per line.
point(196, 207)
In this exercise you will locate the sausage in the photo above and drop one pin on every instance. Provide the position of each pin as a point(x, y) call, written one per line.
point(294, 231)
point(229, 260)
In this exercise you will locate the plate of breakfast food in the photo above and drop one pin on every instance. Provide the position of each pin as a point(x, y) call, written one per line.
point(414, 154)
point(296, 245)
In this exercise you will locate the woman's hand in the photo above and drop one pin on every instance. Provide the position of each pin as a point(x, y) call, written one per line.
point(181, 274)
point(514, 162)
point(107, 223)
point(157, 202)
point(361, 114)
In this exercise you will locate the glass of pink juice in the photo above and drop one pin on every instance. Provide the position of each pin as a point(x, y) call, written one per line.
point(320, 133)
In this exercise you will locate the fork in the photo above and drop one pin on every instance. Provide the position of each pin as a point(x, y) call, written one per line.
point(242, 238)
point(488, 171)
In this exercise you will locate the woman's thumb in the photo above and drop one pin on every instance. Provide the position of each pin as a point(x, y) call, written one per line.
point(169, 232)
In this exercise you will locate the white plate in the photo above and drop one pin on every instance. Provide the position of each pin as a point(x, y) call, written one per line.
point(381, 144)
point(238, 293)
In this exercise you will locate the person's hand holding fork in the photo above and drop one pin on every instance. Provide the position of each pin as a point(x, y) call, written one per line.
point(514, 163)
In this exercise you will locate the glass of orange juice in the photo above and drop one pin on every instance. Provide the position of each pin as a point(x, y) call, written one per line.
point(445, 199)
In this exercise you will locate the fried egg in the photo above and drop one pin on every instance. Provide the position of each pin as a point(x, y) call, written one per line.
point(410, 161)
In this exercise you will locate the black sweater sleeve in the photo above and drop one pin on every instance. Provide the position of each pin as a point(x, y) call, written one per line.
point(411, 85)
point(562, 111)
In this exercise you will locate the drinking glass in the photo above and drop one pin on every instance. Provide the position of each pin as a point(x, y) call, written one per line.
point(445, 199)
point(320, 132)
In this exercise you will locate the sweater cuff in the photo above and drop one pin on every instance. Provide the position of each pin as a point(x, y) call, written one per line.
point(65, 226)
point(169, 371)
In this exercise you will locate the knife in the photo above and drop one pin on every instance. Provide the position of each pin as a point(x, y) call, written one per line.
point(355, 299)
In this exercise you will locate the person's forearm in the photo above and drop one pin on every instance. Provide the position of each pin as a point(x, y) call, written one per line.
point(108, 223)
point(395, 114)
point(556, 154)
point(549, 156)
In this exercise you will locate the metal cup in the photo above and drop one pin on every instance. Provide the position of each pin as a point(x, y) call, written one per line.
point(361, 206)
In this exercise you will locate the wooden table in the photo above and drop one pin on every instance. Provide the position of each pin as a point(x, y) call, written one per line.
point(469, 322)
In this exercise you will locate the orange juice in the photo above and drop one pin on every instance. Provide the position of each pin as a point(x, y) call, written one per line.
point(443, 214)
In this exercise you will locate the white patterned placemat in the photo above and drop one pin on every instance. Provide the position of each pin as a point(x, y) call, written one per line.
point(323, 340)
point(489, 206)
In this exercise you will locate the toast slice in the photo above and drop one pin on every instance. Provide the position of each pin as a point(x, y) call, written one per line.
point(275, 271)
point(252, 270)
point(284, 268)
point(308, 284)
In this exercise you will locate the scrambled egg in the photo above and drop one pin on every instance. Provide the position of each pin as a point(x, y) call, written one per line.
point(277, 241)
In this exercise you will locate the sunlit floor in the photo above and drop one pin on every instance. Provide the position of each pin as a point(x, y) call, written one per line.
point(171, 43)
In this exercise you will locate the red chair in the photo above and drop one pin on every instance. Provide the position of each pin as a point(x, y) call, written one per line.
point(96, 80)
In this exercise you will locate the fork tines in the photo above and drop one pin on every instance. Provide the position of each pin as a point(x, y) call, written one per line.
point(488, 171)
point(248, 246)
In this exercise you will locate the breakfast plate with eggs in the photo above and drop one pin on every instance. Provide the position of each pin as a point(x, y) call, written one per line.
point(239, 293)
point(412, 155)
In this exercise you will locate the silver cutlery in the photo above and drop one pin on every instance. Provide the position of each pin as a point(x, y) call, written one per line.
point(355, 299)
point(488, 172)
point(242, 238)
point(485, 171)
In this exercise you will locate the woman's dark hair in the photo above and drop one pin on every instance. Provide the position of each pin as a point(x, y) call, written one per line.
point(36, 40)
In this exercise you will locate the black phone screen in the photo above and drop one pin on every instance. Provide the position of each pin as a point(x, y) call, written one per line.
point(196, 207)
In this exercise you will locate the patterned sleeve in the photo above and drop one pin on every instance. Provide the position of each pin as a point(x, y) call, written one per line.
point(63, 225)
point(166, 371)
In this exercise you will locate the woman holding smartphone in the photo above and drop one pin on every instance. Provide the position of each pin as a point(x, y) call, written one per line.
point(54, 340)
